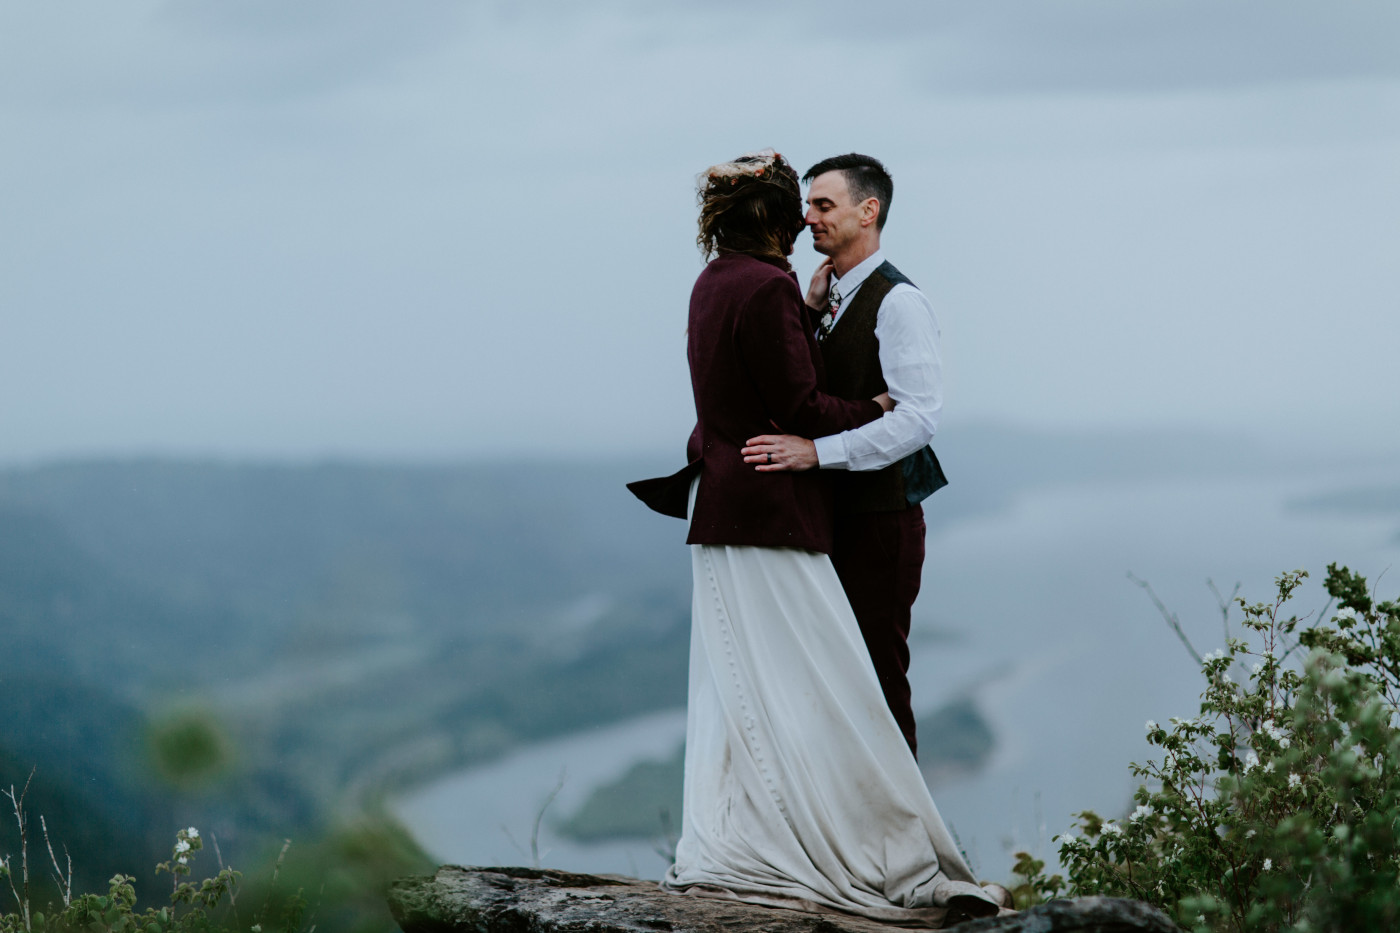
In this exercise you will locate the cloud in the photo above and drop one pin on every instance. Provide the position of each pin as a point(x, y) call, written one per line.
point(469, 225)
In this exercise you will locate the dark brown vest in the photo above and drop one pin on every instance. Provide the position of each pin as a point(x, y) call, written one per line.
point(851, 355)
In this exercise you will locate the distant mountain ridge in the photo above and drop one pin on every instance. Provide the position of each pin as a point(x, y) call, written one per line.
point(359, 626)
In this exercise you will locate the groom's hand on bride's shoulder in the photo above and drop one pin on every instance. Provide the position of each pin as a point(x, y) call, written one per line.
point(773, 452)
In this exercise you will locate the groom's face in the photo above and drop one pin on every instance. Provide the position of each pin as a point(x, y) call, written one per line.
point(833, 218)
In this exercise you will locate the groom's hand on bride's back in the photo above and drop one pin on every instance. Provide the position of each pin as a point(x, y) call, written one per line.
point(773, 452)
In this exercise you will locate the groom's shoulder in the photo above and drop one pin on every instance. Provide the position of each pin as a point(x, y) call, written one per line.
point(887, 271)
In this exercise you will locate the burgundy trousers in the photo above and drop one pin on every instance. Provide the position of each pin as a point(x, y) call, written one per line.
point(879, 557)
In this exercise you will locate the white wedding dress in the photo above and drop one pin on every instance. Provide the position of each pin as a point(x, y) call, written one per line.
point(799, 788)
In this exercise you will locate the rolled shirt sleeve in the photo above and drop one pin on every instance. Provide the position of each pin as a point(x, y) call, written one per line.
point(907, 330)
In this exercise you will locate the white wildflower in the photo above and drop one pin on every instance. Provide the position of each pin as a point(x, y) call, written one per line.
point(183, 860)
point(1250, 835)
point(181, 846)
point(1285, 742)
point(1348, 613)
point(1294, 780)
point(1067, 839)
point(1151, 725)
point(1256, 668)
point(1251, 761)
point(1268, 766)
point(1142, 812)
point(192, 833)
point(1112, 829)
point(1268, 864)
point(1201, 919)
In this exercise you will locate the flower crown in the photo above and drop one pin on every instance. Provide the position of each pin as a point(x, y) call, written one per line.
point(757, 165)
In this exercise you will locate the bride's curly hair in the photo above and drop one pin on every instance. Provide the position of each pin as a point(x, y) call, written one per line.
point(752, 205)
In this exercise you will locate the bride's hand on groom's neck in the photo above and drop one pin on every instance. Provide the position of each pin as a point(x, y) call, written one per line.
point(820, 285)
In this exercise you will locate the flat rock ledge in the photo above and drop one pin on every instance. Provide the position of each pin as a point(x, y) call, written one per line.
point(533, 900)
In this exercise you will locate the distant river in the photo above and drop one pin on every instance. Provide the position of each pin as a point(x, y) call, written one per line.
point(1065, 656)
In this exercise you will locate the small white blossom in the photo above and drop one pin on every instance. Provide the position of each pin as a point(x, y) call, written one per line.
point(1067, 839)
point(1285, 742)
point(1294, 780)
point(1251, 761)
point(1151, 725)
point(1268, 766)
point(1201, 919)
point(1258, 666)
point(181, 846)
point(192, 833)
point(1268, 864)
point(1348, 613)
point(1142, 812)
point(1250, 834)
point(183, 860)
point(1112, 829)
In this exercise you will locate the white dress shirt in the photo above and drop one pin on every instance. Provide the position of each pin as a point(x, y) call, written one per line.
point(907, 330)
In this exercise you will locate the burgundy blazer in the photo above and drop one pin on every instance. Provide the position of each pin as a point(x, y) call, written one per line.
point(754, 369)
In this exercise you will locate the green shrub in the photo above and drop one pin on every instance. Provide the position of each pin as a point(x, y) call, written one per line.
point(194, 908)
point(1278, 807)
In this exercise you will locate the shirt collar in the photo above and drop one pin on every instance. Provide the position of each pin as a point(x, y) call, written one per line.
point(848, 283)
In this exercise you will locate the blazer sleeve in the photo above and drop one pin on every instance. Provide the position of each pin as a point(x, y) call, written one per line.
point(777, 351)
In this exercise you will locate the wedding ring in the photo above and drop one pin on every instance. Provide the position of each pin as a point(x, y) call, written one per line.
point(770, 457)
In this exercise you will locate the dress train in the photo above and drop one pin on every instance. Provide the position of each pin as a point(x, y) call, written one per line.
point(799, 788)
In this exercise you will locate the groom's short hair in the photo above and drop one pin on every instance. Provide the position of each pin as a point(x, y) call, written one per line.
point(865, 178)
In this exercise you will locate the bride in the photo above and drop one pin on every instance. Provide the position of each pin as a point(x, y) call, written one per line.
point(799, 788)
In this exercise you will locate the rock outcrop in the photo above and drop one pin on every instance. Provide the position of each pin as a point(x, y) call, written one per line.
point(530, 900)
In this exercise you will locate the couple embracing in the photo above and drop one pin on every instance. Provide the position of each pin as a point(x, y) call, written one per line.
point(806, 469)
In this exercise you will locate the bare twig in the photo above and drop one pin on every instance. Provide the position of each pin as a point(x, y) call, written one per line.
point(539, 818)
point(65, 885)
point(261, 917)
point(1224, 604)
point(219, 857)
point(1168, 615)
point(22, 893)
point(277, 868)
point(667, 847)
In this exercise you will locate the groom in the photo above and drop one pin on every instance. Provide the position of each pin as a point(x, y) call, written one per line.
point(877, 333)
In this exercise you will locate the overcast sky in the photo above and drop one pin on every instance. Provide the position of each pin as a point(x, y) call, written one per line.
point(441, 229)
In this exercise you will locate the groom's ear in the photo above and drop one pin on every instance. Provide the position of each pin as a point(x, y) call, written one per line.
point(869, 211)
